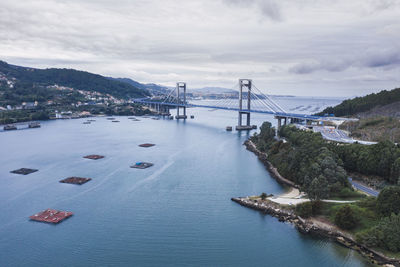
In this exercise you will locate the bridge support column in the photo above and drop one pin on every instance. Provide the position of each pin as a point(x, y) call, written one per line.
point(180, 86)
point(244, 86)
point(281, 120)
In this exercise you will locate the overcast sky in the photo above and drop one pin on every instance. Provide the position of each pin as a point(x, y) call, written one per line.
point(300, 47)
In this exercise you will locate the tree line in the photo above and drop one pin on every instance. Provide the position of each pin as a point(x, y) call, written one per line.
point(319, 166)
point(304, 158)
point(80, 80)
point(365, 103)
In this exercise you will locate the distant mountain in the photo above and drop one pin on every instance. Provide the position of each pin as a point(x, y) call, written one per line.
point(151, 87)
point(76, 79)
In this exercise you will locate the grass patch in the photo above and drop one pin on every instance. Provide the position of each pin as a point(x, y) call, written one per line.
point(364, 211)
point(348, 194)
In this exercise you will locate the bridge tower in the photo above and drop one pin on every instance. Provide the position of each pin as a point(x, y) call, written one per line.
point(181, 86)
point(244, 87)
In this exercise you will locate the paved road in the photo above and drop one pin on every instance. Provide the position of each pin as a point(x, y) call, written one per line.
point(363, 188)
point(333, 134)
point(337, 135)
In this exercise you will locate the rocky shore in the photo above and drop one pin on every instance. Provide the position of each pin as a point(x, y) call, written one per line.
point(307, 226)
point(314, 227)
point(263, 158)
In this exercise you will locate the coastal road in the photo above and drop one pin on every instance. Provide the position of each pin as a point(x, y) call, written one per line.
point(337, 135)
point(363, 188)
point(333, 134)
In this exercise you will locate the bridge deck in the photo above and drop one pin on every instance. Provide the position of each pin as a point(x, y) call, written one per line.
point(279, 114)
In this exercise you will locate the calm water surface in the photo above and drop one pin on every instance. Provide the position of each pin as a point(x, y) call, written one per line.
point(176, 213)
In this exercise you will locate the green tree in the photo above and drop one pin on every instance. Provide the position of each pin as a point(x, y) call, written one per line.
point(318, 188)
point(385, 235)
point(395, 171)
point(263, 196)
point(389, 200)
point(346, 218)
point(305, 209)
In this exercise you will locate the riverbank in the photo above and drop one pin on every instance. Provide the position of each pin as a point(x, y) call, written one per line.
point(284, 211)
point(316, 227)
point(263, 158)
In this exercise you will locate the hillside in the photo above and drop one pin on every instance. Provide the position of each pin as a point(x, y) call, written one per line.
point(80, 80)
point(376, 129)
point(366, 103)
point(150, 87)
point(378, 116)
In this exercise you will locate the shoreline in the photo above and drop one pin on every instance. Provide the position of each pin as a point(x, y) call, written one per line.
point(272, 170)
point(311, 226)
point(316, 227)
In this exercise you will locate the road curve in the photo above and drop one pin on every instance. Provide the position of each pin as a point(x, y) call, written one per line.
point(363, 188)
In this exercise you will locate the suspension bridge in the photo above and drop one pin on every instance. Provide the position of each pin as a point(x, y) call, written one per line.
point(249, 100)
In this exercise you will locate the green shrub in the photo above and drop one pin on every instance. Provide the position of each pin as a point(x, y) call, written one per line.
point(346, 218)
point(349, 193)
point(40, 115)
point(263, 196)
point(388, 201)
point(305, 209)
point(368, 202)
point(371, 237)
point(385, 235)
point(316, 207)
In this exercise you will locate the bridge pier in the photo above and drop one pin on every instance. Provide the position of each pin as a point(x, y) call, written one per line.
point(285, 121)
point(181, 85)
point(244, 85)
point(164, 110)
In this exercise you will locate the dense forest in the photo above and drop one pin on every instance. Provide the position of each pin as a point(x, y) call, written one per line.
point(304, 159)
point(382, 159)
point(318, 165)
point(80, 80)
point(362, 104)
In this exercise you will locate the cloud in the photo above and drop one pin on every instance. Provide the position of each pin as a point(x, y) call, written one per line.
point(379, 58)
point(268, 8)
point(211, 43)
point(385, 58)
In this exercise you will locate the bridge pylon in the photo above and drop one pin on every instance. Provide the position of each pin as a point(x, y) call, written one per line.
point(181, 86)
point(244, 87)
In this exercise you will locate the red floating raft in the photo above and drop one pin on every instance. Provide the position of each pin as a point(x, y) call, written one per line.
point(95, 157)
point(75, 180)
point(51, 216)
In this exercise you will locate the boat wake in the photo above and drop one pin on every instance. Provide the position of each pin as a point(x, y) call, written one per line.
point(157, 173)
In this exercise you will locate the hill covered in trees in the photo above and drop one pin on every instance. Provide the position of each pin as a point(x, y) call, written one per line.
point(304, 159)
point(320, 166)
point(154, 89)
point(80, 80)
point(363, 104)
